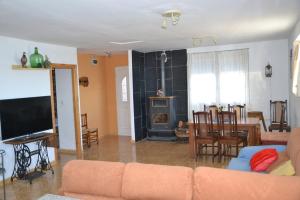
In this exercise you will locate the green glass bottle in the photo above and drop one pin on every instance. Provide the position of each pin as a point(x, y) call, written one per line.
point(36, 59)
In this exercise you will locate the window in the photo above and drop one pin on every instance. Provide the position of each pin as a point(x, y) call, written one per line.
point(124, 89)
point(217, 78)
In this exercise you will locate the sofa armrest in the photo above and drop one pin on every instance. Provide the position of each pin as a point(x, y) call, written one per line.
point(60, 192)
point(248, 152)
point(215, 184)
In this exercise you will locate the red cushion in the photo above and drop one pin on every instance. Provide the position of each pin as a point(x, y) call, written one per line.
point(263, 159)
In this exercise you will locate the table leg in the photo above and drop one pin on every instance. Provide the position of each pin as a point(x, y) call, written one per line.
point(254, 136)
point(191, 141)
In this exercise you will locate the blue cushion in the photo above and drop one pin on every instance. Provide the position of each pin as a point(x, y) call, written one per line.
point(241, 164)
point(248, 152)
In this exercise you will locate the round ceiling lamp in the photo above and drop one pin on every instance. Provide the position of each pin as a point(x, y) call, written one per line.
point(172, 16)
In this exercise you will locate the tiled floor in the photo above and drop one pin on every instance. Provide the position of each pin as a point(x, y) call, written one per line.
point(110, 148)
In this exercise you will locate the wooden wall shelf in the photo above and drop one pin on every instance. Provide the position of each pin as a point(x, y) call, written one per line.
point(19, 67)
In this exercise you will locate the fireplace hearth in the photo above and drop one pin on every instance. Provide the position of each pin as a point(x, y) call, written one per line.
point(162, 117)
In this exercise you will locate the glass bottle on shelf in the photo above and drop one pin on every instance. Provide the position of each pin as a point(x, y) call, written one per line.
point(36, 59)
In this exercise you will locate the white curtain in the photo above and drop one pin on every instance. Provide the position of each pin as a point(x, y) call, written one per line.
point(296, 70)
point(219, 78)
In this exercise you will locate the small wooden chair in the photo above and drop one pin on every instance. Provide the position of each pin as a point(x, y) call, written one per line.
point(241, 115)
point(279, 116)
point(89, 135)
point(204, 134)
point(227, 125)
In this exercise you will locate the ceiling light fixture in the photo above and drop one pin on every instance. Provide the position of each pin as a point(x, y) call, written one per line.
point(170, 15)
point(125, 43)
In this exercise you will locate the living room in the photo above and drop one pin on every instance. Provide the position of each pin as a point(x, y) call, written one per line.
point(141, 71)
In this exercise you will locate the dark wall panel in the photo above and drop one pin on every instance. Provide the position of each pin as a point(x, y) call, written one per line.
point(147, 80)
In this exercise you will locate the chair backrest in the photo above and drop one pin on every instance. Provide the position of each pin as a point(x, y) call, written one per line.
point(228, 119)
point(84, 123)
point(240, 110)
point(259, 115)
point(202, 123)
point(214, 110)
point(278, 112)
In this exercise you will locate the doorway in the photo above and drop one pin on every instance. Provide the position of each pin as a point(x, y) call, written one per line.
point(123, 100)
point(65, 108)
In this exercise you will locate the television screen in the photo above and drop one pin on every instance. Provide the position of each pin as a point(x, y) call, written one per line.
point(25, 116)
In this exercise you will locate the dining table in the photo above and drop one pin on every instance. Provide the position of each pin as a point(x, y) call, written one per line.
point(249, 124)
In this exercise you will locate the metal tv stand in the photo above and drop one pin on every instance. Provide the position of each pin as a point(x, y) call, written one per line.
point(23, 156)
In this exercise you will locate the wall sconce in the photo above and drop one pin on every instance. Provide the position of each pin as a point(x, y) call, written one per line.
point(268, 71)
point(84, 81)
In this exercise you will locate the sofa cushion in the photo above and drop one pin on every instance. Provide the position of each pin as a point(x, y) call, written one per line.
point(157, 182)
point(285, 169)
point(263, 159)
point(216, 184)
point(248, 152)
point(241, 164)
point(282, 157)
point(93, 178)
point(293, 148)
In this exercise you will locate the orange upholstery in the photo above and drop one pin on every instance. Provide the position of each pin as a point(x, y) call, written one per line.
point(215, 184)
point(144, 181)
point(99, 180)
point(293, 149)
point(90, 197)
point(93, 177)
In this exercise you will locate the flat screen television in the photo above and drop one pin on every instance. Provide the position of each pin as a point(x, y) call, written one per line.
point(25, 116)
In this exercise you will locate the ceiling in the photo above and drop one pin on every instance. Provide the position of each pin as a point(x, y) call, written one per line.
point(91, 25)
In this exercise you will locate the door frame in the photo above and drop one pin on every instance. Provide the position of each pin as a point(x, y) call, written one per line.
point(75, 89)
point(128, 97)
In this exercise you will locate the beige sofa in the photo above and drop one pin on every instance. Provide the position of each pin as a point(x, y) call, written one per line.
point(91, 180)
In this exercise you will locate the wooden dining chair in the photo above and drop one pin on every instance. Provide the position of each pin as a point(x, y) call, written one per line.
point(279, 116)
point(229, 135)
point(214, 110)
point(89, 135)
point(241, 115)
point(240, 110)
point(204, 134)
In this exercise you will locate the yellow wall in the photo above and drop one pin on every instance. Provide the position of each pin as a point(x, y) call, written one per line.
point(110, 64)
point(92, 98)
point(98, 100)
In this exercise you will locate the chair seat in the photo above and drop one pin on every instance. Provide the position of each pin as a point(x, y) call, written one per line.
point(89, 130)
point(276, 126)
point(205, 140)
point(243, 133)
point(230, 140)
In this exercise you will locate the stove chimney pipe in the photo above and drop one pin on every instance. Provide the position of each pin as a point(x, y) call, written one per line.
point(163, 60)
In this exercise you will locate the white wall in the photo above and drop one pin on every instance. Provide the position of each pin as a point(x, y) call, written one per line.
point(132, 125)
point(19, 83)
point(65, 110)
point(262, 89)
point(295, 101)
